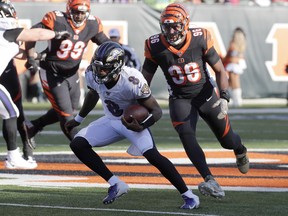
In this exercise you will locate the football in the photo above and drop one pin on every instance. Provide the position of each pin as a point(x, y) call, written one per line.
point(136, 111)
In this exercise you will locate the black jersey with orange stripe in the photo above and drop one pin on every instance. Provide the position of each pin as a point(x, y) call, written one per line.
point(185, 68)
point(64, 56)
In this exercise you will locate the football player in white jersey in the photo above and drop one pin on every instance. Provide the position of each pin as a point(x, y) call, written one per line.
point(118, 87)
point(10, 37)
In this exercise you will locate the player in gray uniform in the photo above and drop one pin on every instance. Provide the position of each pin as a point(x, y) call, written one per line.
point(10, 37)
point(118, 87)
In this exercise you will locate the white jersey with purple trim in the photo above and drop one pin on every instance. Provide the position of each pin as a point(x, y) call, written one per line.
point(7, 51)
point(130, 87)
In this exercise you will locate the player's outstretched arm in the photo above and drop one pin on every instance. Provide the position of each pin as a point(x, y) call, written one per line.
point(39, 34)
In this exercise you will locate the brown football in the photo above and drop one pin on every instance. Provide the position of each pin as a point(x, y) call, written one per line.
point(136, 111)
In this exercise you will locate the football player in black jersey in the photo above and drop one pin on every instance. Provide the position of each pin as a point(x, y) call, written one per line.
point(58, 72)
point(182, 54)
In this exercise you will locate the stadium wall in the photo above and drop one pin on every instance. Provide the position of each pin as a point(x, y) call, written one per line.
point(266, 28)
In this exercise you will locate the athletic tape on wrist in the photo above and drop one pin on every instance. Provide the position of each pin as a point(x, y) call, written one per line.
point(78, 118)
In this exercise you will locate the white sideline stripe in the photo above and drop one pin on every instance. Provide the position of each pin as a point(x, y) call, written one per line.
point(161, 150)
point(65, 182)
point(102, 209)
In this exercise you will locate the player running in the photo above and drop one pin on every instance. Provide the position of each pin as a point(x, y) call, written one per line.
point(58, 72)
point(118, 87)
point(182, 54)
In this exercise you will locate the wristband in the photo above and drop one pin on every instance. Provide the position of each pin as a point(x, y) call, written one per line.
point(225, 95)
point(149, 121)
point(78, 118)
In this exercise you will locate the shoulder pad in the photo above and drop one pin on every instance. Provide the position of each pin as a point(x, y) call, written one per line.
point(91, 17)
point(59, 13)
point(153, 37)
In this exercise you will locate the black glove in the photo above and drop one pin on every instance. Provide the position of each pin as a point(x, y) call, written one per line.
point(61, 35)
point(32, 65)
point(41, 56)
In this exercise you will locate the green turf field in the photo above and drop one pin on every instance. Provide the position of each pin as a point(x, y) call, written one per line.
point(259, 129)
point(138, 202)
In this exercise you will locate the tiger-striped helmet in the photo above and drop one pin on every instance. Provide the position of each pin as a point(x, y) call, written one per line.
point(174, 23)
point(75, 6)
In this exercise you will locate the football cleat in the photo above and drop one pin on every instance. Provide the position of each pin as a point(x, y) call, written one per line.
point(190, 203)
point(32, 130)
point(16, 161)
point(115, 191)
point(211, 188)
point(32, 161)
point(29, 142)
point(242, 162)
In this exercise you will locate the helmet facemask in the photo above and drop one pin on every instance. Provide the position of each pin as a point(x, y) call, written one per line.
point(174, 24)
point(8, 17)
point(78, 11)
point(112, 71)
point(107, 62)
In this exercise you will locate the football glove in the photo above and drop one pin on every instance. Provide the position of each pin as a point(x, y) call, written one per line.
point(32, 65)
point(41, 56)
point(71, 124)
point(223, 103)
point(61, 35)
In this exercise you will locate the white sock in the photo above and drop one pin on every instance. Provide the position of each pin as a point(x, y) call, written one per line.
point(114, 180)
point(13, 153)
point(188, 193)
point(237, 97)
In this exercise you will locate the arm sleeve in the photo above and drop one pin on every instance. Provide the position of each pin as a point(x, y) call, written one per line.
point(12, 35)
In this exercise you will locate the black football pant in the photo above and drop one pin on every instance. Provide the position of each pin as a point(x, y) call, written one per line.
point(63, 94)
point(184, 115)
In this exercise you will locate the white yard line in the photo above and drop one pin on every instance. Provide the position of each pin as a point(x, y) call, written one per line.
point(102, 209)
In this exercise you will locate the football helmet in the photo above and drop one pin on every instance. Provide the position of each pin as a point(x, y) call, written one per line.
point(107, 62)
point(8, 17)
point(174, 23)
point(74, 8)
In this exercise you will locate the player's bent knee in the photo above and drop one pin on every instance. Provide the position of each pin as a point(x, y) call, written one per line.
point(79, 143)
